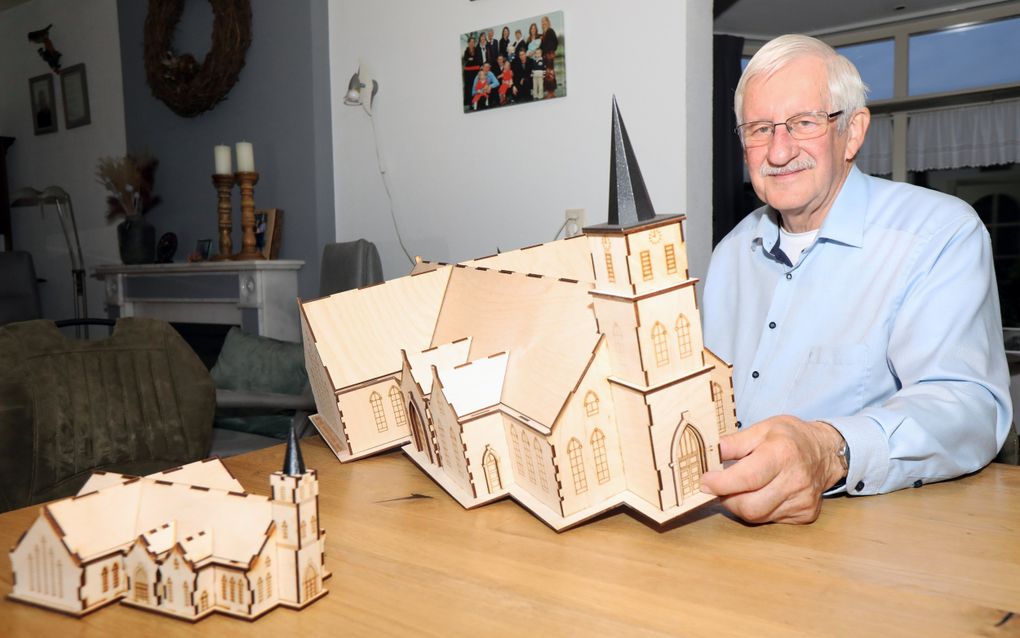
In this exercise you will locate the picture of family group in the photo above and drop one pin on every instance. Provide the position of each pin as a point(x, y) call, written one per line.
point(514, 63)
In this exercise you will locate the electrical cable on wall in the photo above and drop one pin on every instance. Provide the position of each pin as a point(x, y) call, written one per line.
point(386, 186)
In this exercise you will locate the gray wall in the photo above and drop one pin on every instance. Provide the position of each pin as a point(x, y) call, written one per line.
point(280, 104)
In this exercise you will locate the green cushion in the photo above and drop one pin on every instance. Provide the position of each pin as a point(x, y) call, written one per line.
point(258, 364)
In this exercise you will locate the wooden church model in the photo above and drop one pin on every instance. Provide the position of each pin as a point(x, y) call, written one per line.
point(570, 376)
point(186, 542)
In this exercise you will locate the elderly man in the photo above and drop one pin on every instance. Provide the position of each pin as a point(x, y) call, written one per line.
point(861, 315)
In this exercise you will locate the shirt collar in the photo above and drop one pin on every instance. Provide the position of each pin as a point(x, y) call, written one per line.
point(844, 224)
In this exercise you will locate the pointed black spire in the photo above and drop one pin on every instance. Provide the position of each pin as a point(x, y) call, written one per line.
point(293, 464)
point(629, 203)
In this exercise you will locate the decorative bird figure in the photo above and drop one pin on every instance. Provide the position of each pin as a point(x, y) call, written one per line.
point(47, 51)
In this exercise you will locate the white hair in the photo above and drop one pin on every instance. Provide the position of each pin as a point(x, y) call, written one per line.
point(847, 92)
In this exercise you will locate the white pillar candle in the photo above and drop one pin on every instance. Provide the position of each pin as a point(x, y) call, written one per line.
point(222, 155)
point(245, 157)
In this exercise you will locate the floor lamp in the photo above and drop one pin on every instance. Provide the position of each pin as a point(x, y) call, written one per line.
point(65, 212)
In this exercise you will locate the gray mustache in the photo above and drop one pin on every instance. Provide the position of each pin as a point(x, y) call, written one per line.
point(797, 165)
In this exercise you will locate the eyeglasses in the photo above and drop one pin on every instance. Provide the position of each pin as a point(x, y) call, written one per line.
point(803, 126)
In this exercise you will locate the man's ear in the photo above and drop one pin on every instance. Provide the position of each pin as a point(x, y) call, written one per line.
point(856, 130)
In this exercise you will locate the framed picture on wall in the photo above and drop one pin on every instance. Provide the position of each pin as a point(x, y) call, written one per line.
point(268, 231)
point(44, 112)
point(75, 88)
point(514, 63)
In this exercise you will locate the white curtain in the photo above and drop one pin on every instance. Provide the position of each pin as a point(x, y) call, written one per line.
point(875, 156)
point(978, 135)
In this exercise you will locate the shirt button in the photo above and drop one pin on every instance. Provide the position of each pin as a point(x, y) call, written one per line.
point(859, 486)
point(754, 375)
point(739, 425)
point(789, 276)
point(772, 324)
point(918, 483)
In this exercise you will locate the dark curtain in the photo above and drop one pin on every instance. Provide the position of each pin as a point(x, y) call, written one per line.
point(729, 202)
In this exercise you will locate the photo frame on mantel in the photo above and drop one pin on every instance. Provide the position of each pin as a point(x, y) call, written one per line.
point(268, 231)
point(44, 110)
point(74, 87)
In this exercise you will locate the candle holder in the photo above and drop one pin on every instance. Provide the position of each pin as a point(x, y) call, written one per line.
point(224, 186)
point(249, 250)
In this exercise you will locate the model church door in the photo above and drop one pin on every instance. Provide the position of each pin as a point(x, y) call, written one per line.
point(688, 463)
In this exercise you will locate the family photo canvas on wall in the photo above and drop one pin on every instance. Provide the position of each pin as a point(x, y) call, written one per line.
point(514, 63)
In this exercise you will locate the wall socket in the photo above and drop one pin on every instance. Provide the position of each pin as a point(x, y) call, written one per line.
point(574, 218)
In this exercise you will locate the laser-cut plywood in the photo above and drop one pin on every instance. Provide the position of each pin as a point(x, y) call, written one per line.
point(570, 376)
point(186, 542)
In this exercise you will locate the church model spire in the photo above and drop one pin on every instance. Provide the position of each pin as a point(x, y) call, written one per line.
point(629, 203)
point(293, 463)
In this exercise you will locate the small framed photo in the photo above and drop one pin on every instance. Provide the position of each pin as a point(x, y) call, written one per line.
point(268, 231)
point(202, 248)
point(74, 87)
point(44, 112)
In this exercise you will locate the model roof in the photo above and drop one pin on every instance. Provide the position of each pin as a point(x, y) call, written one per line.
point(569, 258)
point(370, 326)
point(475, 385)
point(95, 523)
point(546, 324)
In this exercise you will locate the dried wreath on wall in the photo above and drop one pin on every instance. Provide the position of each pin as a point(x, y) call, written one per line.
point(185, 85)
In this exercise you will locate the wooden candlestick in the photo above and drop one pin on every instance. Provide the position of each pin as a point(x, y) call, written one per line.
point(224, 186)
point(247, 181)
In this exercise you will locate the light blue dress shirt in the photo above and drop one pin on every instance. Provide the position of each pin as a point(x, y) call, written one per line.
point(888, 328)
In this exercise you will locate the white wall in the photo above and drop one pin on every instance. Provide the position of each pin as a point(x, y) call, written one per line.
point(464, 185)
point(83, 32)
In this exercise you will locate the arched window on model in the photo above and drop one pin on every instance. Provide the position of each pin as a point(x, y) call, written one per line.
point(491, 466)
point(399, 412)
point(577, 466)
point(646, 265)
point(170, 589)
point(683, 335)
point(610, 273)
point(591, 403)
point(283, 530)
point(659, 343)
point(377, 412)
point(517, 450)
point(598, 449)
point(304, 529)
point(261, 589)
point(540, 462)
point(720, 412)
point(670, 259)
point(269, 584)
point(529, 460)
point(104, 576)
point(116, 575)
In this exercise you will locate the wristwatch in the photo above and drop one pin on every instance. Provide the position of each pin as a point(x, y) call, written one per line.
point(844, 456)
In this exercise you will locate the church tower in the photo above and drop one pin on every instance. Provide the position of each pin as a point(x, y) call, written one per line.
point(645, 305)
point(300, 544)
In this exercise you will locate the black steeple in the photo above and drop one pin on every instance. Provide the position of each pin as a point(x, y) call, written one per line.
point(293, 464)
point(629, 203)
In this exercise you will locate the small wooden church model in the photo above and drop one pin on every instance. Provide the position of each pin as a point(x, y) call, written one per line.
point(570, 376)
point(186, 542)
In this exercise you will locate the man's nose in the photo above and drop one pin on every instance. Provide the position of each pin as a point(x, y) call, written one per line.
point(782, 146)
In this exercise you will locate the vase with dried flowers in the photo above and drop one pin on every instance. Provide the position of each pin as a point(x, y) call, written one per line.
point(129, 181)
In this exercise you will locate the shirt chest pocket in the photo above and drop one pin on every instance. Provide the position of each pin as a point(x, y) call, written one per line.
point(830, 382)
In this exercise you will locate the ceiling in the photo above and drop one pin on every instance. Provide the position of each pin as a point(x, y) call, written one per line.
point(765, 19)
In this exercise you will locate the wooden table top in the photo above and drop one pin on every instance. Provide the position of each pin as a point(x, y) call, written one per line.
point(943, 560)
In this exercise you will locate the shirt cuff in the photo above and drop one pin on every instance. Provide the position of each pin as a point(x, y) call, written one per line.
point(869, 454)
